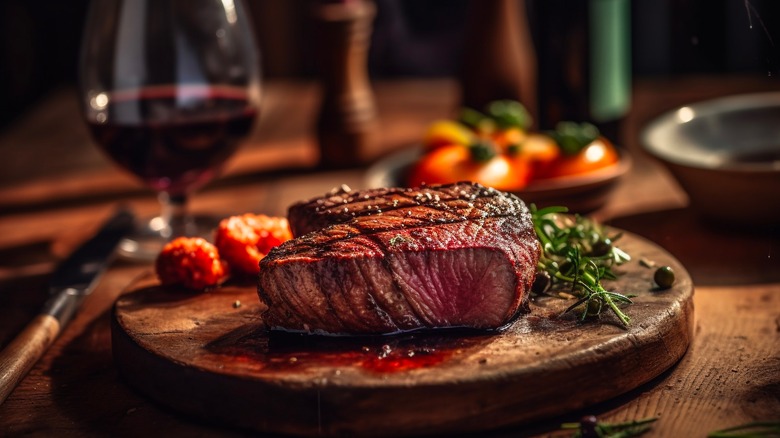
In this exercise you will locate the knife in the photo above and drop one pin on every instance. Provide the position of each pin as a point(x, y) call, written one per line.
point(71, 282)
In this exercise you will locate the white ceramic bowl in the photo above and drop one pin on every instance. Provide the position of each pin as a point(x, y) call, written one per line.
point(725, 153)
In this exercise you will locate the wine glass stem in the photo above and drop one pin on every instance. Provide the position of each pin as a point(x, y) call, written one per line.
point(177, 220)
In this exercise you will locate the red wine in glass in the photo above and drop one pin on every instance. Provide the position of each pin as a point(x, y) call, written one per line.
point(168, 89)
point(175, 138)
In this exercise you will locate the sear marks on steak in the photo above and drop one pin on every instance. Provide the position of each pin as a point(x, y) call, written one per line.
point(463, 200)
point(397, 260)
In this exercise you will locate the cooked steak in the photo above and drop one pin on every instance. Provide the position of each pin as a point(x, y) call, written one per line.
point(343, 204)
point(396, 260)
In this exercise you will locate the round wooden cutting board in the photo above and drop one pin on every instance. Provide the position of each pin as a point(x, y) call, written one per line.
point(207, 355)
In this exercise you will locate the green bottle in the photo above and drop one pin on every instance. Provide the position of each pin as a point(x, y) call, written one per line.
point(583, 52)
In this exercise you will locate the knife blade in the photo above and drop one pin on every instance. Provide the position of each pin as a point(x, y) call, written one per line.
point(70, 283)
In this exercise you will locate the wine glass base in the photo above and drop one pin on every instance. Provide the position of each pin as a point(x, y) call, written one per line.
point(140, 249)
point(146, 242)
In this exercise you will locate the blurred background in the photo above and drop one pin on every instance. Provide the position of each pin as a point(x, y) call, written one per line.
point(39, 41)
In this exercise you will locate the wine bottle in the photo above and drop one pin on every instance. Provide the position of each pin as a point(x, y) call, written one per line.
point(583, 51)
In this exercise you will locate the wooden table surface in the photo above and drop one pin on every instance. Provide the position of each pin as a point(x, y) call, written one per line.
point(55, 187)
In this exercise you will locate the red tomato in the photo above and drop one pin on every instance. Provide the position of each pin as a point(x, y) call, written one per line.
point(453, 163)
point(600, 153)
point(245, 239)
point(191, 262)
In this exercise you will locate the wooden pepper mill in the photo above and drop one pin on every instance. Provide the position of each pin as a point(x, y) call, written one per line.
point(499, 61)
point(347, 121)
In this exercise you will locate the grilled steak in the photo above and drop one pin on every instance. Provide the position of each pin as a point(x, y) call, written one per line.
point(395, 260)
point(343, 204)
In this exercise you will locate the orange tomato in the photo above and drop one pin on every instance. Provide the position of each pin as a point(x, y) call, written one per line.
point(508, 137)
point(599, 154)
point(537, 148)
point(453, 163)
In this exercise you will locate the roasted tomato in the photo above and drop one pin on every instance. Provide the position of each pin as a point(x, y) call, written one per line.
point(191, 262)
point(536, 148)
point(506, 139)
point(244, 240)
point(477, 163)
point(598, 154)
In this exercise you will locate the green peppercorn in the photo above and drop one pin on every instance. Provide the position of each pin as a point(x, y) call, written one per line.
point(664, 277)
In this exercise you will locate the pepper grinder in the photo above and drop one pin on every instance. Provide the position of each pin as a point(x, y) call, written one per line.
point(499, 61)
point(347, 120)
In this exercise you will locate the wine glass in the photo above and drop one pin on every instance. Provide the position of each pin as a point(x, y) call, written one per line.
point(168, 89)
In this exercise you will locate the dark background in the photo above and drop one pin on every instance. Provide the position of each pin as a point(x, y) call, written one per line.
point(39, 41)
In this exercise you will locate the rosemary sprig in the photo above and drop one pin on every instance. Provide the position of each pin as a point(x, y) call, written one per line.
point(577, 252)
point(749, 430)
point(590, 427)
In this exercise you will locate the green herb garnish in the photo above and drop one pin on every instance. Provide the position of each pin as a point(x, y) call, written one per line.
point(509, 113)
point(397, 240)
point(473, 118)
point(750, 430)
point(572, 137)
point(513, 150)
point(590, 427)
point(578, 253)
point(482, 152)
point(502, 114)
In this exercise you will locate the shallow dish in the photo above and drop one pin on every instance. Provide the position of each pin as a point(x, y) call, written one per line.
point(725, 153)
point(581, 193)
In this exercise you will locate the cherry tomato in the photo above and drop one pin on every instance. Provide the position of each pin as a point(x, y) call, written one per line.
point(537, 148)
point(453, 163)
point(600, 153)
point(191, 262)
point(245, 239)
point(507, 138)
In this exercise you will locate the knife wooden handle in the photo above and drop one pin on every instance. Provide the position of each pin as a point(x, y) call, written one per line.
point(23, 352)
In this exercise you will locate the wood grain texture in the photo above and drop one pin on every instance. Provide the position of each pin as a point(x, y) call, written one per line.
point(730, 376)
point(207, 356)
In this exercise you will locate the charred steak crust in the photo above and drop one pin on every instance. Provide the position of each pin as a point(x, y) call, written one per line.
point(458, 201)
point(391, 260)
